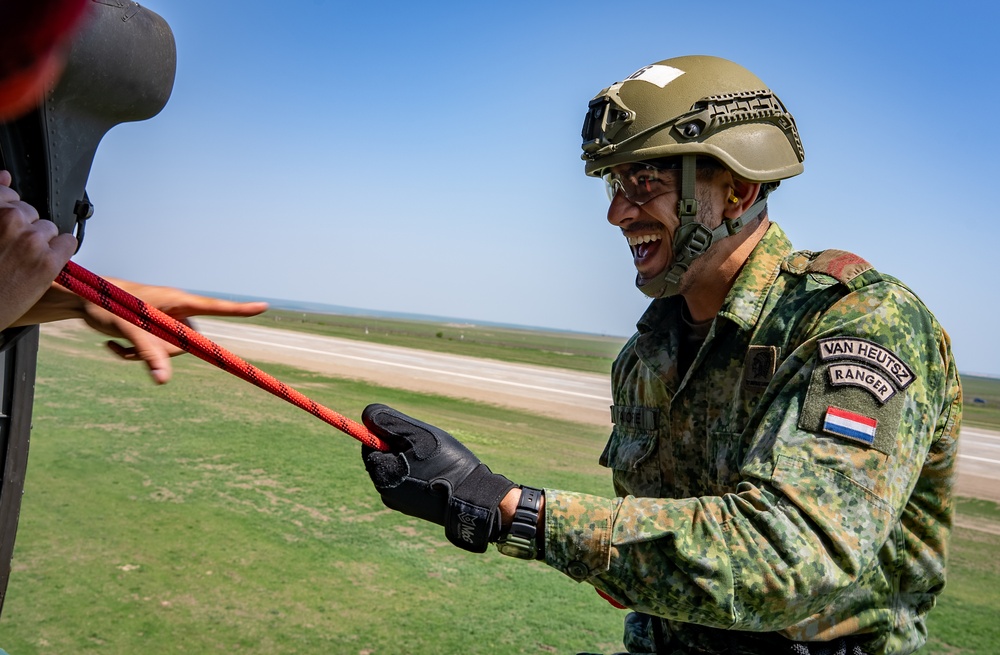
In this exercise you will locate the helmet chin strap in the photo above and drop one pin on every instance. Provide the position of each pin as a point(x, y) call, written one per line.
point(693, 239)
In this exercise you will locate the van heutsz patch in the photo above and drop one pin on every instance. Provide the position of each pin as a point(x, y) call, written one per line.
point(864, 364)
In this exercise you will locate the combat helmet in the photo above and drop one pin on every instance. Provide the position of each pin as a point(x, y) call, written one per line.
point(686, 108)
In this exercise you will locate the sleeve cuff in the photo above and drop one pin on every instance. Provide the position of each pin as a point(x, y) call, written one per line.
point(578, 533)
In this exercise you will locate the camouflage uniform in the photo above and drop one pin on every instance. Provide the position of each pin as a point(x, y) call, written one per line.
point(796, 483)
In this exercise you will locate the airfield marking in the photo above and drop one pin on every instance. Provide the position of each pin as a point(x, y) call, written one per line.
point(980, 459)
point(418, 368)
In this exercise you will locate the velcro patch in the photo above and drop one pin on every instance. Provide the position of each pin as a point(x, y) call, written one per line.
point(869, 352)
point(759, 366)
point(637, 418)
point(657, 74)
point(856, 400)
point(842, 423)
point(841, 265)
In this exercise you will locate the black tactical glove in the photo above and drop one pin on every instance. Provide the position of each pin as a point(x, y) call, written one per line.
point(430, 475)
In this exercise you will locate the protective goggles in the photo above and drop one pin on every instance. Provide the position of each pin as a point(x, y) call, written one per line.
point(641, 182)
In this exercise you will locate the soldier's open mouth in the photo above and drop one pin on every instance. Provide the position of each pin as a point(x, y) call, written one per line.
point(644, 248)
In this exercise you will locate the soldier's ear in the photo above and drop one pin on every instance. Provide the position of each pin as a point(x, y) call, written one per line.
point(741, 197)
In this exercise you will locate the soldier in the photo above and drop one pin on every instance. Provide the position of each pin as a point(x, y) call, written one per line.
point(785, 422)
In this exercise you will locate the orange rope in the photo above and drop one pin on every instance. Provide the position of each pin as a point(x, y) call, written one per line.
point(121, 303)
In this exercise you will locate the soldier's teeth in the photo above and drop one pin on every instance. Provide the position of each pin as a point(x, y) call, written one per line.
point(645, 238)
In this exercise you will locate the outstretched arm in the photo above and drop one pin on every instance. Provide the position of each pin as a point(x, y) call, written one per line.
point(57, 304)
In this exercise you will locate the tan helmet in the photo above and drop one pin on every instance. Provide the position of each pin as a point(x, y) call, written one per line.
point(693, 105)
point(689, 108)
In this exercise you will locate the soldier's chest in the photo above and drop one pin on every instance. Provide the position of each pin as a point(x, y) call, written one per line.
point(684, 436)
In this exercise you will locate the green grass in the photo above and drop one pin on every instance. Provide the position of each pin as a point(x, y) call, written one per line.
point(207, 516)
point(981, 401)
point(965, 620)
point(574, 351)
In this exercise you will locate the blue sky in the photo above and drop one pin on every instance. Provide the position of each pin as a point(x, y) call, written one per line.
point(424, 157)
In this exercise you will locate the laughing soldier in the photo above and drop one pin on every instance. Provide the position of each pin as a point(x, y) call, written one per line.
point(785, 422)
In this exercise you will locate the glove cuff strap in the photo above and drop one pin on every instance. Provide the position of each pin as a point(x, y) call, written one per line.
point(469, 526)
point(473, 517)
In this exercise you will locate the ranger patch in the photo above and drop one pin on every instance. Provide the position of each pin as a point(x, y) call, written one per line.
point(859, 375)
point(863, 350)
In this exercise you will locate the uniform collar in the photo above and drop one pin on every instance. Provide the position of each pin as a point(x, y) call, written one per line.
point(745, 300)
point(658, 313)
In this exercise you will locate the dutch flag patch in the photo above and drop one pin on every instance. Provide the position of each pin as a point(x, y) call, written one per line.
point(843, 423)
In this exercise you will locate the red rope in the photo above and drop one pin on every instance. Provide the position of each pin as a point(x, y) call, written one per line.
point(121, 303)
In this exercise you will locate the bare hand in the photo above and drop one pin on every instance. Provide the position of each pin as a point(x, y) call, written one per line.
point(177, 304)
point(32, 252)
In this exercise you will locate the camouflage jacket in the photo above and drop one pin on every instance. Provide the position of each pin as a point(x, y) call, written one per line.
point(796, 481)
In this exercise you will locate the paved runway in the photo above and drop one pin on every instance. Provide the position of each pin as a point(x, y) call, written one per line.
point(979, 451)
point(979, 463)
point(582, 397)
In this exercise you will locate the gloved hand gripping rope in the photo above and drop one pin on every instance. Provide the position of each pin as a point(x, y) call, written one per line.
point(116, 300)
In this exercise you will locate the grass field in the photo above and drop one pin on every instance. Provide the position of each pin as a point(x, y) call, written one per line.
point(965, 621)
point(209, 517)
point(981, 403)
